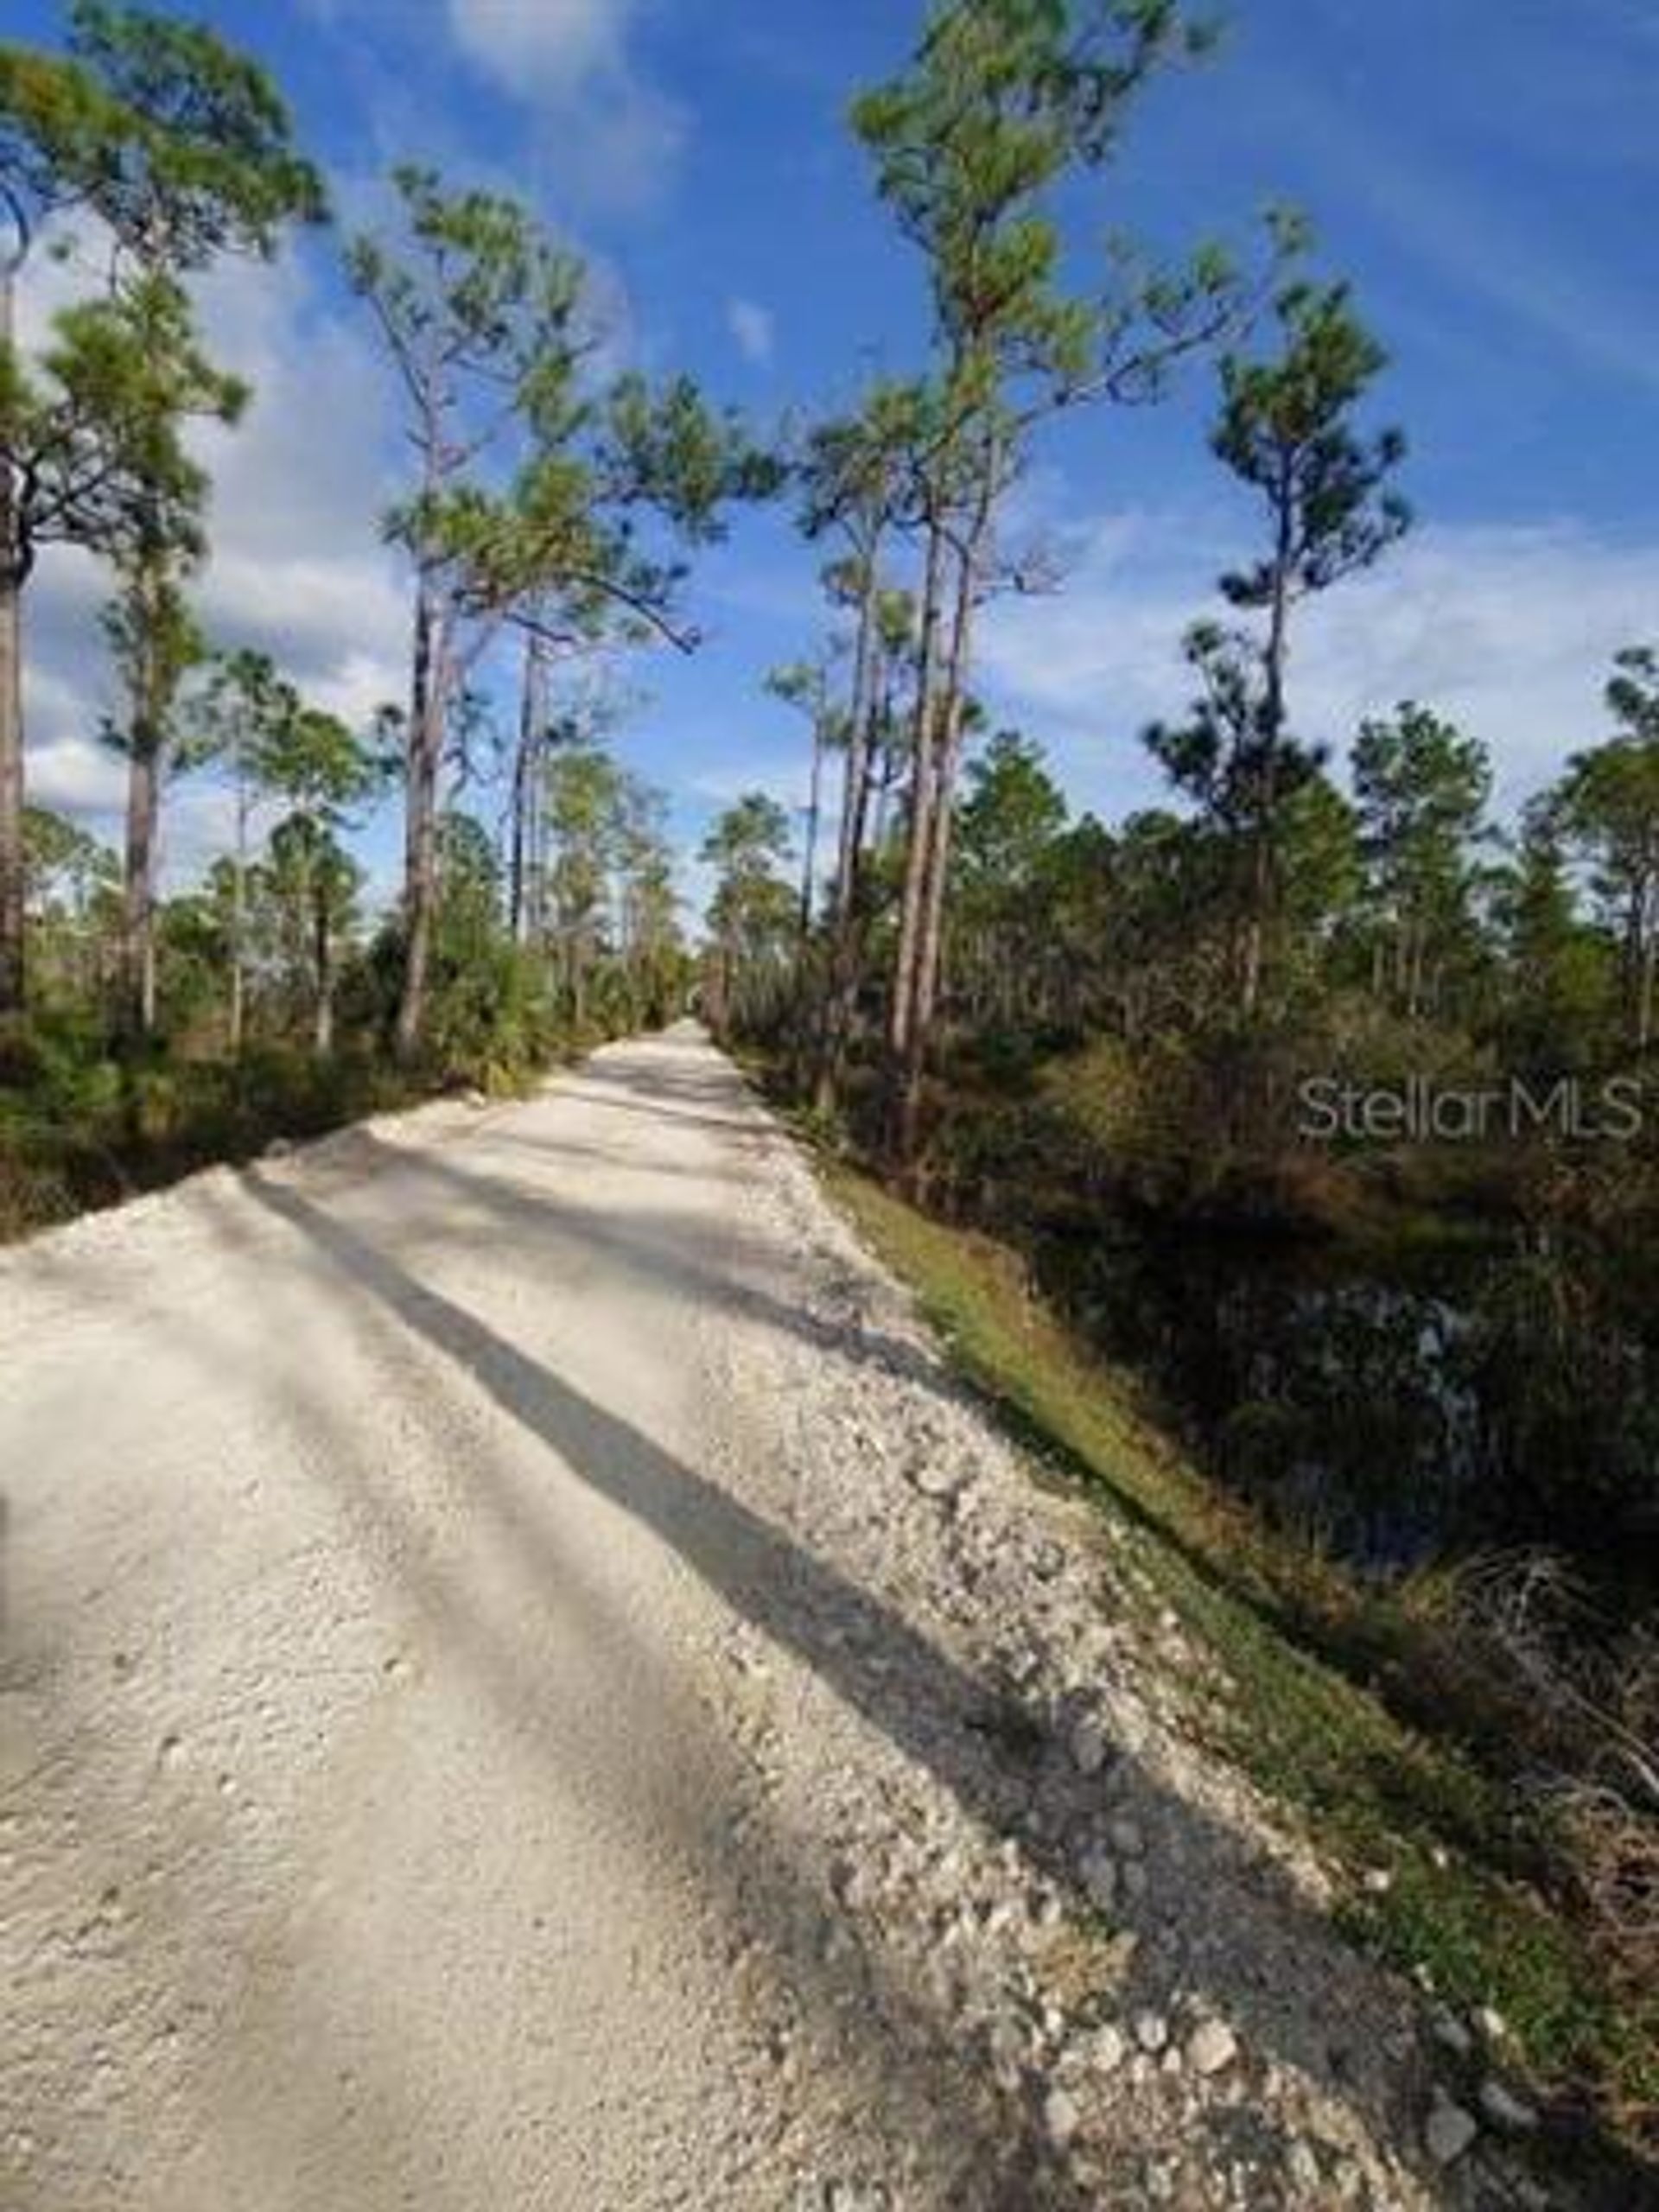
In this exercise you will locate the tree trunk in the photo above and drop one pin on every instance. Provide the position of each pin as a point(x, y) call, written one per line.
point(533, 725)
point(1263, 870)
point(240, 917)
point(931, 954)
point(11, 796)
point(138, 908)
point(814, 811)
point(936, 867)
point(902, 1010)
point(842, 996)
point(946, 734)
point(324, 957)
point(424, 763)
point(13, 569)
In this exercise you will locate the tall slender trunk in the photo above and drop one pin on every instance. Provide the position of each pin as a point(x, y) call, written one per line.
point(322, 1030)
point(146, 769)
point(950, 766)
point(841, 996)
point(424, 765)
point(814, 811)
point(13, 575)
point(936, 860)
point(138, 910)
point(1263, 885)
point(239, 1014)
point(532, 726)
point(948, 725)
point(923, 766)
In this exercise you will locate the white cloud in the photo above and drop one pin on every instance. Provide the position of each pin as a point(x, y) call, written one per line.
point(614, 136)
point(786, 777)
point(297, 568)
point(555, 46)
point(1508, 628)
point(754, 329)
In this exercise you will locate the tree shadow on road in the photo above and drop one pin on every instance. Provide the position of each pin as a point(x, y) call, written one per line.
point(1245, 1936)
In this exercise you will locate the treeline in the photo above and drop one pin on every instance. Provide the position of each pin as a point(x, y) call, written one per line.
point(547, 518)
point(1281, 918)
point(1325, 989)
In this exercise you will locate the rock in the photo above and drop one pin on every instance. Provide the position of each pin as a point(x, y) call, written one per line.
point(932, 1478)
point(1211, 2047)
point(1061, 2119)
point(1089, 1748)
point(1304, 2168)
point(1099, 1874)
point(1151, 2031)
point(1377, 1881)
point(1450, 2032)
point(1106, 2049)
point(1128, 1838)
point(1491, 2024)
point(1505, 2110)
point(1449, 2132)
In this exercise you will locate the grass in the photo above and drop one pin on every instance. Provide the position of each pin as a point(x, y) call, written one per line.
point(1330, 1691)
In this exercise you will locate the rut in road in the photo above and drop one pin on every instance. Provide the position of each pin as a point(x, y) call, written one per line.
point(525, 1684)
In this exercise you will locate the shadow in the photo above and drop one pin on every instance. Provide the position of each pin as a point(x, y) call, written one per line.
point(1002, 2165)
point(723, 1125)
point(792, 1596)
point(1232, 1926)
point(526, 1223)
point(1219, 1920)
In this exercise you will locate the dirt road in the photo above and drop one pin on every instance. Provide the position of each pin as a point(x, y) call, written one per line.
point(524, 1688)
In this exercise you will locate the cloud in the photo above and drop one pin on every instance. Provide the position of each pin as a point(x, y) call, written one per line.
point(754, 329)
point(1508, 628)
point(557, 45)
point(786, 776)
point(297, 568)
point(616, 136)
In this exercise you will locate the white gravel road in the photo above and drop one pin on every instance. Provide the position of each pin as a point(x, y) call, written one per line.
point(526, 1690)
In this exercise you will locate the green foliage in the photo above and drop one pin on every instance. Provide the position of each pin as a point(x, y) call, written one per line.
point(178, 142)
point(1284, 430)
point(1012, 815)
point(1422, 790)
point(752, 914)
point(1004, 98)
point(1606, 810)
point(94, 437)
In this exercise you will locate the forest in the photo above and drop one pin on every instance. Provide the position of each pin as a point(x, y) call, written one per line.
point(1317, 1097)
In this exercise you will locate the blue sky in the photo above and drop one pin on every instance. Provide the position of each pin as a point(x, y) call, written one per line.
point(1483, 171)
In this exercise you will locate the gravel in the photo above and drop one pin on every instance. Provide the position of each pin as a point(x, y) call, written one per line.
point(530, 1683)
